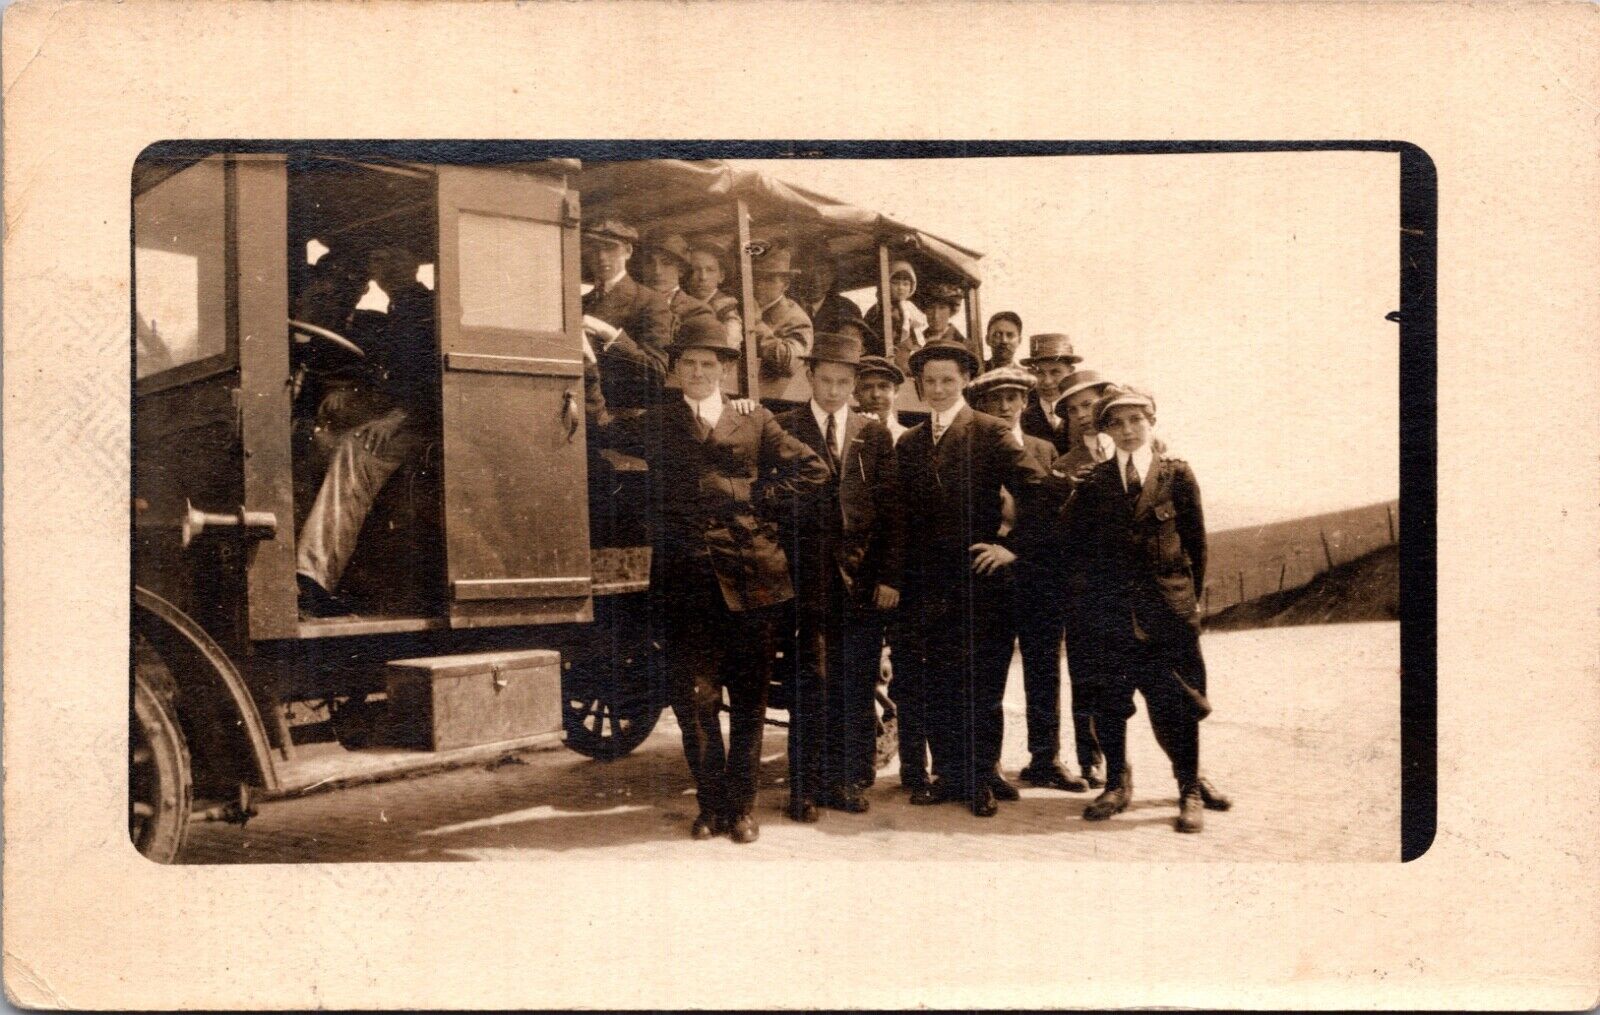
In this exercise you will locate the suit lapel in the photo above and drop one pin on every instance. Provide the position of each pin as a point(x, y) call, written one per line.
point(1147, 492)
point(728, 424)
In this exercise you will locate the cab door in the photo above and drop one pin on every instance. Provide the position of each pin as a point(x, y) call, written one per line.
point(510, 335)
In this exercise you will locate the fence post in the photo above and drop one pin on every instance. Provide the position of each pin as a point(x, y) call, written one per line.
point(1241, 586)
point(1388, 511)
point(1325, 551)
point(1283, 571)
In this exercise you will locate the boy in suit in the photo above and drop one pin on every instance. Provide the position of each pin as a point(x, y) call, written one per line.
point(1051, 359)
point(1137, 536)
point(955, 640)
point(628, 324)
point(844, 552)
point(718, 573)
point(1028, 559)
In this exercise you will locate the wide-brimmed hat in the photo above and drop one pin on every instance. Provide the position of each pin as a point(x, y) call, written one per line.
point(869, 334)
point(611, 230)
point(1115, 396)
point(828, 347)
point(1050, 346)
point(1077, 382)
point(999, 379)
point(672, 245)
point(882, 366)
point(942, 292)
point(945, 348)
point(774, 260)
point(703, 331)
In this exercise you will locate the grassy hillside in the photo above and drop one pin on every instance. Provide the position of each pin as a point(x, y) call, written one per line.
point(1290, 554)
point(1367, 588)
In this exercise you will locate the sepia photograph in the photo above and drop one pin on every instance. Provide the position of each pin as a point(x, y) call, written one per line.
point(499, 502)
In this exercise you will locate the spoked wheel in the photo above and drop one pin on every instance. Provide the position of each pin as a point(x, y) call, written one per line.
point(160, 784)
point(610, 696)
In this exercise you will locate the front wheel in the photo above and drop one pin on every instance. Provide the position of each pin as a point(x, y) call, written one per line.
point(160, 783)
point(610, 691)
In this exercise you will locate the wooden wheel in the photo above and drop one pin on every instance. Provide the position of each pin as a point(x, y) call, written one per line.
point(609, 693)
point(160, 784)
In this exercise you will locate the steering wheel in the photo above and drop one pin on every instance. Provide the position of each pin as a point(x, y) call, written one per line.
point(304, 333)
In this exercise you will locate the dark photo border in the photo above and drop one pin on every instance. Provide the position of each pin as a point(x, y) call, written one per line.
point(1416, 317)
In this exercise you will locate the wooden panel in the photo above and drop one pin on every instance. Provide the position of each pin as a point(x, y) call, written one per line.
point(261, 230)
point(448, 702)
point(515, 468)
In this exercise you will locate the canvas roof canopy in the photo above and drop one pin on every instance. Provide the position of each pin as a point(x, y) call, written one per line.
point(697, 199)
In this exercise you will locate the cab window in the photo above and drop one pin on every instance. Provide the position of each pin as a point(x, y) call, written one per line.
point(178, 263)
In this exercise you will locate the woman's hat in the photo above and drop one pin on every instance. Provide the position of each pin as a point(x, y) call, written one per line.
point(828, 347)
point(881, 366)
point(1116, 396)
point(999, 379)
point(612, 230)
point(904, 268)
point(945, 348)
point(774, 260)
point(1077, 382)
point(1050, 346)
point(704, 331)
point(942, 292)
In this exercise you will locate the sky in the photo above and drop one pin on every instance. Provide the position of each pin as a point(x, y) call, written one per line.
point(1246, 292)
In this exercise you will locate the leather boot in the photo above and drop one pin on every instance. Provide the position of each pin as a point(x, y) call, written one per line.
point(1118, 794)
point(1211, 797)
point(1003, 790)
point(744, 829)
point(1191, 810)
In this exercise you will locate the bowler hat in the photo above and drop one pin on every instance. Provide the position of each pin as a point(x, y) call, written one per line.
point(1050, 346)
point(998, 379)
point(1115, 396)
point(703, 331)
point(1077, 382)
point(882, 366)
point(773, 260)
point(828, 347)
point(613, 229)
point(945, 348)
point(942, 292)
point(672, 245)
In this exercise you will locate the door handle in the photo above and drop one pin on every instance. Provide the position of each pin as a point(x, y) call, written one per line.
point(569, 413)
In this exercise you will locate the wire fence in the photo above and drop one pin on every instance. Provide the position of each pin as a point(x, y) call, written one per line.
point(1247, 564)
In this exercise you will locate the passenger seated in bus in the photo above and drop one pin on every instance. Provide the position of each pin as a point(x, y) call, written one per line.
point(783, 334)
point(398, 414)
point(817, 293)
point(907, 319)
point(666, 262)
point(629, 325)
point(940, 303)
point(706, 273)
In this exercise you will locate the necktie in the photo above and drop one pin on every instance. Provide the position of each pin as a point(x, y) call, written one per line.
point(1132, 476)
point(703, 425)
point(938, 429)
point(832, 437)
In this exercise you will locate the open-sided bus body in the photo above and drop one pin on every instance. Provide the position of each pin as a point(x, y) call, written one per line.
point(491, 538)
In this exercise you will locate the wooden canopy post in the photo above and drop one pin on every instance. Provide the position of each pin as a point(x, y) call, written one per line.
point(974, 322)
point(883, 301)
point(750, 377)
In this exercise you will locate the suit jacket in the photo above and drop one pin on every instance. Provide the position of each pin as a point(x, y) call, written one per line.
point(783, 336)
point(833, 311)
point(681, 307)
point(1078, 455)
point(715, 501)
point(1138, 562)
point(852, 526)
point(1035, 423)
point(950, 495)
point(406, 357)
point(633, 369)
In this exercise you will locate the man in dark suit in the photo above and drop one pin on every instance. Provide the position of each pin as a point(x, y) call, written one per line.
point(719, 478)
point(1029, 557)
point(955, 640)
point(1051, 359)
point(666, 263)
point(845, 554)
point(817, 295)
point(1137, 537)
point(629, 325)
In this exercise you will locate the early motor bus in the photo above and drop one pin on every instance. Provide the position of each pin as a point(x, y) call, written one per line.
point(498, 554)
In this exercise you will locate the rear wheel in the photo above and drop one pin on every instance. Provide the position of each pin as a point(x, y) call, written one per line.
point(610, 694)
point(160, 783)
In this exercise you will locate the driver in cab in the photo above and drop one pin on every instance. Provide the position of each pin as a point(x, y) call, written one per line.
point(388, 426)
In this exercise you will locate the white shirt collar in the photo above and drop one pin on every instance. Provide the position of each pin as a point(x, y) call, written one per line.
point(1017, 431)
point(615, 281)
point(1098, 444)
point(839, 416)
point(768, 306)
point(943, 419)
point(708, 408)
point(1141, 464)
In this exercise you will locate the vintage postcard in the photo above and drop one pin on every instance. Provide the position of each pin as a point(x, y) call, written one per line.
point(826, 518)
